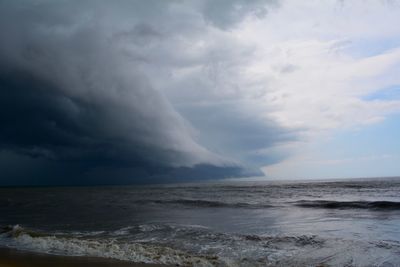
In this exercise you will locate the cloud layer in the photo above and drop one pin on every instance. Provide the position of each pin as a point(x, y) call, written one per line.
point(107, 92)
point(74, 91)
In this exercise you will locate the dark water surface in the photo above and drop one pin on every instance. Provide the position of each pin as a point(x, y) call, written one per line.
point(336, 223)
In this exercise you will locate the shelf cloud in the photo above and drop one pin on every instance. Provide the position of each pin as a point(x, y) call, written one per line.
point(156, 91)
point(74, 95)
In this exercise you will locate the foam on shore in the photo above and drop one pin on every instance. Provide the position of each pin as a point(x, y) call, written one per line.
point(17, 258)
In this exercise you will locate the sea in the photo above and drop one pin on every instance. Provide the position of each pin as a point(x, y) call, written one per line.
point(229, 223)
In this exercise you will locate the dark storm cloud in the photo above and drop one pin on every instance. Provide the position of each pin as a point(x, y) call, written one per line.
point(68, 95)
point(76, 94)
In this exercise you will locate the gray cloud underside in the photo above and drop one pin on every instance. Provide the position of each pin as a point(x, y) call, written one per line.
point(80, 95)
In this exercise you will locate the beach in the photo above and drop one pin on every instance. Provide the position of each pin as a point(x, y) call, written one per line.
point(19, 258)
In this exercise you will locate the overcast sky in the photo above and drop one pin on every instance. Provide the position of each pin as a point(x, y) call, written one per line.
point(120, 91)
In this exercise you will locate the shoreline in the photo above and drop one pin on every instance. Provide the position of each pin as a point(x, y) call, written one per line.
point(10, 257)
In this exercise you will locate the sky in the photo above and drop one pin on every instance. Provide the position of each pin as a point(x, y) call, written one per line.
point(102, 92)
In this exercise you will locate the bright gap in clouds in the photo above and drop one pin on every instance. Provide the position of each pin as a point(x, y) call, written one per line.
point(370, 151)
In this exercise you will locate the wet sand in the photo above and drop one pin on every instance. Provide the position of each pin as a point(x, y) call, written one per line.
point(17, 258)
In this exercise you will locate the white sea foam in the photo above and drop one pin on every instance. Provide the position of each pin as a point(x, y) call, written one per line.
point(123, 231)
point(199, 247)
point(19, 238)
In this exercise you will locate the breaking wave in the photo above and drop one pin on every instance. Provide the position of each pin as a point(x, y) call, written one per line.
point(18, 237)
point(191, 245)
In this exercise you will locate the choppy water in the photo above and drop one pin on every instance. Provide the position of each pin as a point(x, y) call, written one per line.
point(333, 223)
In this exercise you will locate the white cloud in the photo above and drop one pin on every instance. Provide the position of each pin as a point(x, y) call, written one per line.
point(308, 66)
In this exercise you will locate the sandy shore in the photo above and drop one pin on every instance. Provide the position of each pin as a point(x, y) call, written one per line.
point(16, 258)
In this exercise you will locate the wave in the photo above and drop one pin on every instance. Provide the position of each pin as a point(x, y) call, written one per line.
point(185, 245)
point(208, 203)
point(20, 238)
point(177, 245)
point(328, 204)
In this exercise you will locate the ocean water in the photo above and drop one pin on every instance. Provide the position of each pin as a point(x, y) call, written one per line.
point(313, 223)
